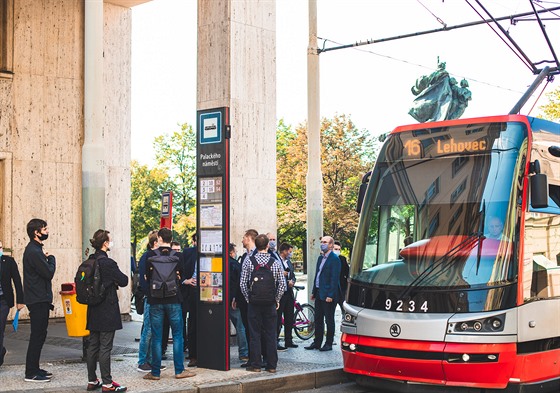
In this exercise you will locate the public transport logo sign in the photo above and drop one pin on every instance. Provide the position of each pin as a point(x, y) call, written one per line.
point(395, 330)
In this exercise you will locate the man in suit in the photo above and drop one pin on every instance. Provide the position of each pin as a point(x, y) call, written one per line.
point(9, 274)
point(326, 291)
point(344, 272)
point(287, 300)
point(272, 246)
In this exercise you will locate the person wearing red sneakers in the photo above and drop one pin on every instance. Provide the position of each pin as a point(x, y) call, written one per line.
point(104, 319)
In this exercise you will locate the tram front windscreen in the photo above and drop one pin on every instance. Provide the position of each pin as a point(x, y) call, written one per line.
point(440, 214)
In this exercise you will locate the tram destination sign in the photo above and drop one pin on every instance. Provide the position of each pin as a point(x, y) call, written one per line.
point(445, 141)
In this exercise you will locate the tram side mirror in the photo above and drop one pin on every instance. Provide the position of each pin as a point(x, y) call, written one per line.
point(362, 192)
point(539, 187)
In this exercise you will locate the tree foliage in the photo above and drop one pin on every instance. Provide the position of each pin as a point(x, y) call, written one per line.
point(346, 154)
point(147, 186)
point(551, 111)
point(176, 154)
point(175, 171)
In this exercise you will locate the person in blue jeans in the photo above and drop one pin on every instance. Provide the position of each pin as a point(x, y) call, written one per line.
point(145, 346)
point(160, 262)
point(234, 313)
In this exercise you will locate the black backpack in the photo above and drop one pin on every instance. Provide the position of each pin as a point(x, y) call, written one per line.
point(89, 286)
point(262, 289)
point(163, 280)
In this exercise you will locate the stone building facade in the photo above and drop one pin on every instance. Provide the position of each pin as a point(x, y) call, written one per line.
point(42, 128)
point(65, 120)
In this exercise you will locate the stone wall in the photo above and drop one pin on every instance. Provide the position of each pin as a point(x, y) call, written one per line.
point(237, 68)
point(41, 132)
point(116, 132)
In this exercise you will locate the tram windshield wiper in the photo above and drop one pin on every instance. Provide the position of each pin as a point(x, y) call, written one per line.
point(444, 262)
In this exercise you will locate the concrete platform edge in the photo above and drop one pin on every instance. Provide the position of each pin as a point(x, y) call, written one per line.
point(287, 383)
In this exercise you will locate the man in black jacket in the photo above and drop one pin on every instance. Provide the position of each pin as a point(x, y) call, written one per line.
point(344, 272)
point(9, 274)
point(38, 271)
point(104, 319)
point(165, 302)
point(286, 307)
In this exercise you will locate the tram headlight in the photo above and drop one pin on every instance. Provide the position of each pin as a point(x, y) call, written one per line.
point(491, 324)
point(349, 318)
point(348, 347)
point(496, 324)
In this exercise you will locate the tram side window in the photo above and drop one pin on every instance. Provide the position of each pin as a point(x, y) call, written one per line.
point(541, 265)
point(554, 194)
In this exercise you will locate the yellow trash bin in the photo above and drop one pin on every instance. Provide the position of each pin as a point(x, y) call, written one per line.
point(75, 313)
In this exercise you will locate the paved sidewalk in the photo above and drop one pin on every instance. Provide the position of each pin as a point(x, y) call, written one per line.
point(298, 369)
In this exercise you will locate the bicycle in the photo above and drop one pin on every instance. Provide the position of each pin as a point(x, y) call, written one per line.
point(304, 317)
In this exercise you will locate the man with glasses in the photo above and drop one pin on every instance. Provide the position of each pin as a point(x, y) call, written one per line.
point(326, 291)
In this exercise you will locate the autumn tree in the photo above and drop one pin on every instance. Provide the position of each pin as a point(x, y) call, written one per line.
point(146, 187)
point(346, 154)
point(551, 111)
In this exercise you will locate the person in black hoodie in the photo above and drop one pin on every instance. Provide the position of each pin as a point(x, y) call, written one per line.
point(104, 319)
point(165, 302)
point(38, 270)
point(9, 274)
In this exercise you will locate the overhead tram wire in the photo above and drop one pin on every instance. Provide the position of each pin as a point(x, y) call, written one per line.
point(434, 15)
point(546, 37)
point(518, 52)
point(539, 97)
point(420, 33)
point(423, 66)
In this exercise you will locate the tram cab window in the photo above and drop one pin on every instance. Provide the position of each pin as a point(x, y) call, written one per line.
point(541, 265)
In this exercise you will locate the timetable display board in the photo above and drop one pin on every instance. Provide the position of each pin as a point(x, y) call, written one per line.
point(213, 237)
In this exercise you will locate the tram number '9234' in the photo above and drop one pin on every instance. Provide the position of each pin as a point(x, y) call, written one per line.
point(407, 306)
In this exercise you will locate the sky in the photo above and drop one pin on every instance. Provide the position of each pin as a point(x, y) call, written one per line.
point(370, 83)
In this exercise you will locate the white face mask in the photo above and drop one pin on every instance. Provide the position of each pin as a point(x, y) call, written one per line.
point(336, 252)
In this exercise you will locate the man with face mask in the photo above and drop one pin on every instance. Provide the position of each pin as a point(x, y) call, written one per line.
point(272, 246)
point(104, 319)
point(38, 271)
point(326, 291)
point(344, 271)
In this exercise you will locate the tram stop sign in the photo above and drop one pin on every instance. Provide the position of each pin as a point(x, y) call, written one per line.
point(212, 208)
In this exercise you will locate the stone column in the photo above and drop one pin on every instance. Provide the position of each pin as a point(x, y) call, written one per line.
point(237, 69)
point(93, 152)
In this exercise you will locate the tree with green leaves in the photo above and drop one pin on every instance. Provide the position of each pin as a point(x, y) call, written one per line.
point(176, 154)
point(146, 187)
point(551, 111)
point(346, 155)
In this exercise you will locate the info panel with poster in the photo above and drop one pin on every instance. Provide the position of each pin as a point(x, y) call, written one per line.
point(213, 233)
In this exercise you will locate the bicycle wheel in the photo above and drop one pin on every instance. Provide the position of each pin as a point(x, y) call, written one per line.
point(304, 322)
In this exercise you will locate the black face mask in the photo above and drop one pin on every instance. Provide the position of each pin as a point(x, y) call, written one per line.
point(43, 236)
